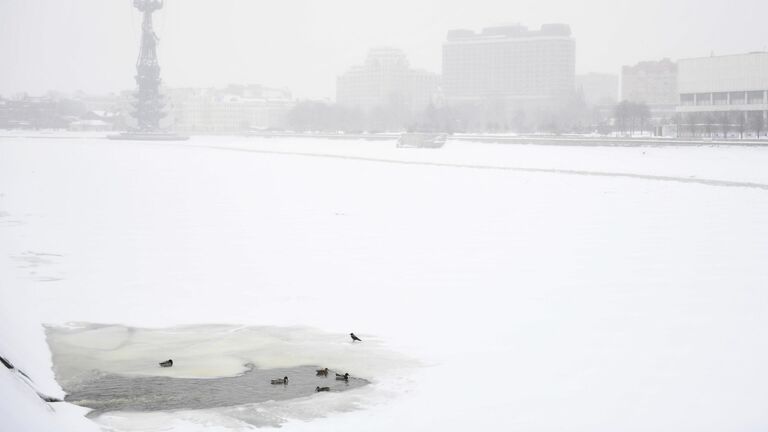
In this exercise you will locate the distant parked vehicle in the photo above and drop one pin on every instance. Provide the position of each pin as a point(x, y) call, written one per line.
point(421, 140)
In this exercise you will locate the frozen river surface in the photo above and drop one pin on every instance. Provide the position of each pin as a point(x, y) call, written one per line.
point(496, 287)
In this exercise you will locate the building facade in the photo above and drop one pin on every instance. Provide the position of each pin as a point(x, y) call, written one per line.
point(237, 108)
point(653, 83)
point(386, 80)
point(510, 65)
point(724, 83)
point(724, 95)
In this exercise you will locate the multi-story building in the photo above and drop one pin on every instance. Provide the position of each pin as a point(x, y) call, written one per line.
point(653, 83)
point(724, 95)
point(509, 66)
point(41, 112)
point(386, 80)
point(724, 84)
point(236, 108)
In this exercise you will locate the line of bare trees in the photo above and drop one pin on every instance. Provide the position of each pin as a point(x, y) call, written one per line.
point(631, 117)
point(725, 123)
point(492, 116)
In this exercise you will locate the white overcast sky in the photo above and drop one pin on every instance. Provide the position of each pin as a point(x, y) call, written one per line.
point(91, 45)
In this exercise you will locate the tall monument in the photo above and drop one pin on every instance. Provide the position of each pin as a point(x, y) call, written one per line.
point(149, 102)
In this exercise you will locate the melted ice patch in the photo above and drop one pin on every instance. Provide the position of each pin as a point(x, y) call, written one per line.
point(219, 370)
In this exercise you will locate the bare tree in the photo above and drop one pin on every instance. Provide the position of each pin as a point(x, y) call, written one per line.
point(709, 119)
point(643, 114)
point(634, 114)
point(693, 123)
point(756, 122)
point(725, 123)
point(678, 120)
point(740, 120)
point(622, 113)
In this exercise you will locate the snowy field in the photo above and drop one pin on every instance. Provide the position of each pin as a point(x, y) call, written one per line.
point(497, 287)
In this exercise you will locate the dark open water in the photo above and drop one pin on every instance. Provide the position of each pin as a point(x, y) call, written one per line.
point(112, 392)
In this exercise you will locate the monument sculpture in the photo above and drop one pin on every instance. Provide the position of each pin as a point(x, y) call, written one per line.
point(149, 102)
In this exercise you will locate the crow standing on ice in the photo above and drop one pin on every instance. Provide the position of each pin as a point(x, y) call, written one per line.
point(355, 338)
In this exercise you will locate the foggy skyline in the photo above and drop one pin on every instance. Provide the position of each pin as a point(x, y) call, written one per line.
point(91, 45)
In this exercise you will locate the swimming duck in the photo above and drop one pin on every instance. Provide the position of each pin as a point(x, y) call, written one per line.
point(167, 363)
point(355, 338)
point(322, 389)
point(322, 372)
point(344, 377)
point(283, 380)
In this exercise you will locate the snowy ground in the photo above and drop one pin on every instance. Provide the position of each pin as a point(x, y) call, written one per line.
point(540, 288)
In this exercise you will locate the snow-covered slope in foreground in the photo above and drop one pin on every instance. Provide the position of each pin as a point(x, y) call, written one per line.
point(536, 301)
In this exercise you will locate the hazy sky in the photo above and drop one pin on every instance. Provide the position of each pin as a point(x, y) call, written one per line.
point(91, 45)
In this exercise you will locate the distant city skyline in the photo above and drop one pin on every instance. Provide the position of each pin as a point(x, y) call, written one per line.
point(91, 45)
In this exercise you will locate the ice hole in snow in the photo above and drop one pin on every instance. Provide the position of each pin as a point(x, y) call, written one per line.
point(115, 368)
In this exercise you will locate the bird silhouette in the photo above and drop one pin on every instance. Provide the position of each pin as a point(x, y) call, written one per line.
point(354, 338)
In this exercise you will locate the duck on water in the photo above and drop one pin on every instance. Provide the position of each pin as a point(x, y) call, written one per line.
point(283, 380)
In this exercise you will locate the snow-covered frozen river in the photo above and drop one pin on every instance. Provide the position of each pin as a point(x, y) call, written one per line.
point(496, 287)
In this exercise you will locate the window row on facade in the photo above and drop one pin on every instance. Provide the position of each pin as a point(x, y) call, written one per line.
point(725, 98)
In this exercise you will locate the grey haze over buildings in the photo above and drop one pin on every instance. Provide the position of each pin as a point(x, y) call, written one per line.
point(90, 45)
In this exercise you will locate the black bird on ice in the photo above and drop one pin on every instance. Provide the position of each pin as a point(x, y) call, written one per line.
point(355, 338)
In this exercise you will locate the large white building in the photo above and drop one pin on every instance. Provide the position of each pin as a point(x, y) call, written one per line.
point(730, 83)
point(509, 65)
point(386, 80)
point(236, 108)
